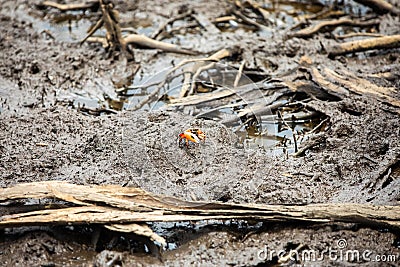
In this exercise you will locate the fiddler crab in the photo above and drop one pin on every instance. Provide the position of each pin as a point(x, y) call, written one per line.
point(191, 135)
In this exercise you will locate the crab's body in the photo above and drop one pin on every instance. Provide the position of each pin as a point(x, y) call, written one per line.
point(192, 135)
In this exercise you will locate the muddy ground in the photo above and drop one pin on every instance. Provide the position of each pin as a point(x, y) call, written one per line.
point(46, 136)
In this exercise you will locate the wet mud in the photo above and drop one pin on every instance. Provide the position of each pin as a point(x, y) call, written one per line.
point(61, 118)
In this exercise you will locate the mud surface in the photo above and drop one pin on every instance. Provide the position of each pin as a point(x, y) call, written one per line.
point(46, 135)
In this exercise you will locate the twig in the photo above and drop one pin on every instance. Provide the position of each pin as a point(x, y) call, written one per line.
point(206, 24)
point(358, 34)
point(97, 26)
point(316, 128)
point(380, 6)
point(197, 74)
point(162, 27)
point(318, 139)
point(322, 14)
point(258, 8)
point(180, 28)
point(250, 21)
point(150, 96)
point(224, 19)
point(142, 40)
point(326, 85)
point(386, 42)
point(71, 7)
point(239, 74)
point(310, 31)
point(289, 128)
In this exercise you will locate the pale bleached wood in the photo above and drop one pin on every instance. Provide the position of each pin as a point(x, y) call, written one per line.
point(121, 205)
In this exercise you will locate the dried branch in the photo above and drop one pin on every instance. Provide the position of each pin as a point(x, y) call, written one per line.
point(71, 7)
point(310, 31)
point(142, 40)
point(380, 6)
point(250, 21)
point(358, 34)
point(386, 42)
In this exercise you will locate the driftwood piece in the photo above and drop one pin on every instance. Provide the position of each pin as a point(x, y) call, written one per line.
point(122, 205)
point(310, 31)
point(385, 42)
point(380, 6)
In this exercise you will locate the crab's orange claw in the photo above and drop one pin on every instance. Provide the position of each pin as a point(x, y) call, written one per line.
point(201, 135)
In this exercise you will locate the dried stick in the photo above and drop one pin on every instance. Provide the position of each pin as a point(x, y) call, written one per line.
point(316, 128)
point(325, 13)
point(142, 40)
point(197, 74)
point(162, 27)
point(188, 86)
point(317, 140)
point(331, 88)
point(380, 6)
point(289, 128)
point(71, 7)
point(97, 26)
point(250, 21)
point(239, 74)
point(386, 42)
point(310, 31)
point(358, 34)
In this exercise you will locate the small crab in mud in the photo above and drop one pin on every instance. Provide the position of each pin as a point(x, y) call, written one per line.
point(191, 135)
